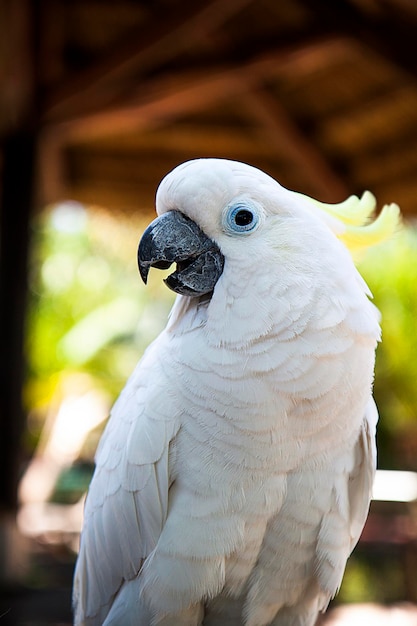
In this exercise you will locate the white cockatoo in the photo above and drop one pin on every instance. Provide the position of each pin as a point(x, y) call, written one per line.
point(235, 473)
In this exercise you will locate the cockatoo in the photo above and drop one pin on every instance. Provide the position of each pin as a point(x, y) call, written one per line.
point(234, 476)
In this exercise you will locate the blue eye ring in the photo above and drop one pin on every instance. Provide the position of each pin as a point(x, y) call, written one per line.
point(241, 217)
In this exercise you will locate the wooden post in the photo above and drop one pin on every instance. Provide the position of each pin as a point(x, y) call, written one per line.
point(18, 131)
point(16, 202)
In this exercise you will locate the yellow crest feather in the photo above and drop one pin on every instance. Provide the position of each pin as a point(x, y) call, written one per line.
point(365, 235)
point(354, 214)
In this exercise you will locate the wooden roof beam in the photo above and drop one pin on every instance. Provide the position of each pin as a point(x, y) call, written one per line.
point(143, 51)
point(389, 33)
point(161, 100)
point(280, 130)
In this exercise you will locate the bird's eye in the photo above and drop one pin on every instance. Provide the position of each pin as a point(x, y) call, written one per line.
point(241, 217)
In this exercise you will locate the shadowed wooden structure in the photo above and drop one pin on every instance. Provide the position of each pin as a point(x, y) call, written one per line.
point(99, 99)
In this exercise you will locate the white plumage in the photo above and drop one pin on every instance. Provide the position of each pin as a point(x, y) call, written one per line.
point(235, 473)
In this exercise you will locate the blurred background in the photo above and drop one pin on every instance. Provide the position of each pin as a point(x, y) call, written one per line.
point(98, 101)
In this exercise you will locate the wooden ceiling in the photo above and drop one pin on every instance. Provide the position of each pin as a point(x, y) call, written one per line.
point(322, 95)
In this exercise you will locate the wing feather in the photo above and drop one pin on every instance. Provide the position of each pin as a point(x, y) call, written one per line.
point(342, 525)
point(362, 477)
point(307, 543)
point(127, 503)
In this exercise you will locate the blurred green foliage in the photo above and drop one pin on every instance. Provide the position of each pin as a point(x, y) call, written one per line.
point(390, 270)
point(89, 311)
point(373, 576)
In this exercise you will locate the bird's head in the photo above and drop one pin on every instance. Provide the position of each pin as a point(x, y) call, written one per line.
point(215, 211)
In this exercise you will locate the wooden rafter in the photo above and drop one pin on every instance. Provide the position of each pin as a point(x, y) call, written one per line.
point(169, 96)
point(389, 33)
point(279, 129)
point(171, 35)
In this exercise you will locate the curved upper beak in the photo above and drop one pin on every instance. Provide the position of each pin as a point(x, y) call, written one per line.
point(174, 238)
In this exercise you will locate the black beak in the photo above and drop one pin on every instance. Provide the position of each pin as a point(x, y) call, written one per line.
point(174, 238)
